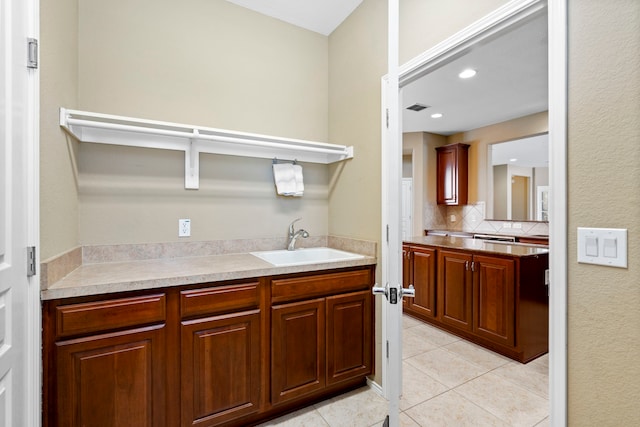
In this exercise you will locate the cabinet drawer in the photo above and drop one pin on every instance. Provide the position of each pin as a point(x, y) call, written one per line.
point(76, 319)
point(217, 299)
point(320, 284)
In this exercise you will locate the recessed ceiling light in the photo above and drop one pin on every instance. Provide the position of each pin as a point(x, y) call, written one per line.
point(513, 160)
point(468, 73)
point(436, 115)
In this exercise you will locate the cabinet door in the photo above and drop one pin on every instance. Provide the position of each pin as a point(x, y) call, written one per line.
point(349, 338)
point(298, 349)
point(115, 379)
point(220, 368)
point(451, 179)
point(424, 281)
point(494, 306)
point(454, 289)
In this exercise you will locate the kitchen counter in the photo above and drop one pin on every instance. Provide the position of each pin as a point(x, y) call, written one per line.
point(95, 278)
point(519, 250)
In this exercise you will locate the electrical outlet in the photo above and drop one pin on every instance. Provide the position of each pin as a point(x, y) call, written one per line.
point(184, 227)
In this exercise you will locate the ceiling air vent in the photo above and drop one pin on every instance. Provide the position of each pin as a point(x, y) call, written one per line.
point(417, 107)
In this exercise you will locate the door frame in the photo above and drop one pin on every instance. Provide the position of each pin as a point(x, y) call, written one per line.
point(33, 358)
point(488, 26)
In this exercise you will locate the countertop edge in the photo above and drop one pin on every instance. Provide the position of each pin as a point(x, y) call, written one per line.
point(68, 287)
point(479, 246)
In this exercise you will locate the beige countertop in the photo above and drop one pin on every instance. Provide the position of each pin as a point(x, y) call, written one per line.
point(478, 245)
point(94, 278)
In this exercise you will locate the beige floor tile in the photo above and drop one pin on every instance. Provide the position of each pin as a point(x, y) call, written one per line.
point(451, 409)
point(307, 417)
point(506, 400)
point(530, 376)
point(544, 423)
point(417, 387)
point(407, 421)
point(362, 407)
point(480, 356)
point(409, 322)
point(541, 363)
point(413, 343)
point(433, 335)
point(446, 367)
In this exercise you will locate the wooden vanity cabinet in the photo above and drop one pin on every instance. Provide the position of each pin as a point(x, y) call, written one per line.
point(106, 363)
point(419, 270)
point(221, 353)
point(212, 354)
point(321, 330)
point(452, 174)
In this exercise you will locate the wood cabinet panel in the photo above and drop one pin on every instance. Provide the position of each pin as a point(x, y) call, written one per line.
point(91, 317)
point(493, 295)
point(219, 299)
point(220, 365)
point(452, 174)
point(298, 349)
point(114, 379)
point(311, 286)
point(455, 302)
point(423, 279)
point(349, 336)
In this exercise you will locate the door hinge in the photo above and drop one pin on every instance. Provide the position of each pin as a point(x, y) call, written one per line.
point(32, 53)
point(387, 118)
point(31, 261)
point(387, 349)
point(387, 233)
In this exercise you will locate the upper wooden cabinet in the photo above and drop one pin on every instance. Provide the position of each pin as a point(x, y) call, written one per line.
point(452, 174)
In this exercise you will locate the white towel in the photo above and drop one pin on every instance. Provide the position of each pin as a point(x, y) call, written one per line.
point(288, 179)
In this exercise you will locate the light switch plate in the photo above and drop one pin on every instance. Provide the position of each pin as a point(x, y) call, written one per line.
point(603, 246)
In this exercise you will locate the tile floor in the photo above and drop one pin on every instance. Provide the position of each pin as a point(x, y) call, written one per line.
point(447, 381)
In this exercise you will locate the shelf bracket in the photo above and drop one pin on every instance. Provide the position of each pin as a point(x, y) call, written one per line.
point(192, 164)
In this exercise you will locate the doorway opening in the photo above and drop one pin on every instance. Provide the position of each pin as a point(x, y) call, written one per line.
point(483, 32)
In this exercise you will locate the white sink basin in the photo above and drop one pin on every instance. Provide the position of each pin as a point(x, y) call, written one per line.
point(283, 257)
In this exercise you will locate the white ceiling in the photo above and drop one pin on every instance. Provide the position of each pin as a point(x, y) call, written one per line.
point(321, 16)
point(511, 81)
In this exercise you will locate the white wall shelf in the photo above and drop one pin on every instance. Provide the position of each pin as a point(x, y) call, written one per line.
point(193, 140)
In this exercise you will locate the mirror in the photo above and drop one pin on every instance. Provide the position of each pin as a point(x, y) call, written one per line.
point(519, 179)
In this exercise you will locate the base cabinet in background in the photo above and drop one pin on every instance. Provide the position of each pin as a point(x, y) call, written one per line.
point(499, 302)
point(419, 270)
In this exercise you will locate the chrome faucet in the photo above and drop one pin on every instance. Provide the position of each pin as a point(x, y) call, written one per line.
point(293, 235)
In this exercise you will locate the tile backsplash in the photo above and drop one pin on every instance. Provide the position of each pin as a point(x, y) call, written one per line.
point(471, 218)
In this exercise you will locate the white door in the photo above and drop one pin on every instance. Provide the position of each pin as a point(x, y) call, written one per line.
point(19, 402)
point(390, 290)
